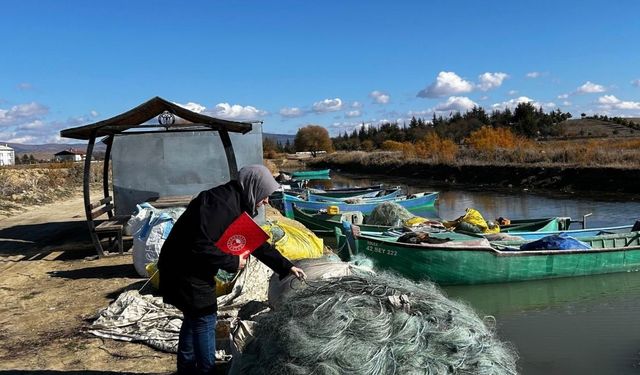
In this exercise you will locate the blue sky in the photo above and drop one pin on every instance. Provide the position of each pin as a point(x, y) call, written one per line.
point(292, 63)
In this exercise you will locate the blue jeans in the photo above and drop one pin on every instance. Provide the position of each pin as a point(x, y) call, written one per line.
point(197, 345)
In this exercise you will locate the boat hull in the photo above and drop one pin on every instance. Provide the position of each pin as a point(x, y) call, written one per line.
point(309, 174)
point(480, 263)
point(426, 200)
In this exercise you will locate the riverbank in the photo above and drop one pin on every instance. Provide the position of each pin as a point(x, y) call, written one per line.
point(564, 179)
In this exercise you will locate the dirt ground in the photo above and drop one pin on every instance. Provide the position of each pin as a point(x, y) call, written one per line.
point(49, 294)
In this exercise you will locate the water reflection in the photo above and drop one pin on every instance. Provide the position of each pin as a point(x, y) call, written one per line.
point(513, 298)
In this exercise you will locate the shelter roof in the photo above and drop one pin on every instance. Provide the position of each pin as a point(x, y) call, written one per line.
point(148, 110)
point(5, 148)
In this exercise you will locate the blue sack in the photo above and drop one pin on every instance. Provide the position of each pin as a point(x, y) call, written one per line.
point(560, 241)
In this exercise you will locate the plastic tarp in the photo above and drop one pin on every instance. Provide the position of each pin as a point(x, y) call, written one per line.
point(293, 242)
point(150, 227)
point(560, 241)
point(472, 221)
point(145, 318)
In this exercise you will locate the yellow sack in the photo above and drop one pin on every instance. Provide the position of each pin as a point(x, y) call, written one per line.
point(474, 217)
point(416, 220)
point(297, 243)
point(222, 287)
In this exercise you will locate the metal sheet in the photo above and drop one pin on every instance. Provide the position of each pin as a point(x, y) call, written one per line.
point(153, 165)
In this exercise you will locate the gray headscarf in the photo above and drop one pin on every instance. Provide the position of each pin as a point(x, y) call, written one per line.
point(257, 183)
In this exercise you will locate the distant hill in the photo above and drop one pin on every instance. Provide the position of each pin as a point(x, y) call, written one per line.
point(589, 128)
point(46, 151)
point(280, 138)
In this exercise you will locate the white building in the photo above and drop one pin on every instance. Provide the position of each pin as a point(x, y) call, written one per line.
point(7, 155)
point(70, 155)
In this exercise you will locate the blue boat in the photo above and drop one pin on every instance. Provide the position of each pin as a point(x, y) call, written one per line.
point(412, 202)
point(380, 196)
point(577, 233)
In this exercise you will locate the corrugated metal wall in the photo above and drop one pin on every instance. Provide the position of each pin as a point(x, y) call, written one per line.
point(165, 164)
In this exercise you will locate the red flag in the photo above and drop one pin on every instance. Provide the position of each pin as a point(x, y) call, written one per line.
point(241, 236)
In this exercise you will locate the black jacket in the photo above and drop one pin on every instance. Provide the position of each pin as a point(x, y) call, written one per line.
point(189, 259)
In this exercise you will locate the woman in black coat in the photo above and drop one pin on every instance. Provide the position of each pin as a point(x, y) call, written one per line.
point(189, 260)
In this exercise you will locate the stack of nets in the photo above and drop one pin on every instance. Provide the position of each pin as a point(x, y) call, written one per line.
point(373, 324)
point(389, 214)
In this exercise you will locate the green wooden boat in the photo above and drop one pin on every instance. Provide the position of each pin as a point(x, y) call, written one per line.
point(310, 174)
point(324, 223)
point(480, 261)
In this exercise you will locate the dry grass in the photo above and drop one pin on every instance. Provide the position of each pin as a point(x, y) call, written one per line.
point(37, 184)
point(499, 147)
point(436, 149)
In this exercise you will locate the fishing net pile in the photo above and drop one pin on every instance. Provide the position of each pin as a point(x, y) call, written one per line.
point(373, 324)
point(389, 214)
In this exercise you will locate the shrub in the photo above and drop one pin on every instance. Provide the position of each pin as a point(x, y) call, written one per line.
point(437, 149)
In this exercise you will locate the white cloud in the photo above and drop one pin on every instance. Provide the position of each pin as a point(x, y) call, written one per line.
point(379, 97)
point(563, 96)
point(24, 86)
point(356, 105)
point(237, 112)
point(611, 102)
point(512, 103)
point(354, 113)
point(534, 74)
point(327, 105)
point(488, 81)
point(590, 88)
point(456, 103)
point(423, 113)
point(22, 113)
point(193, 107)
point(32, 125)
point(94, 113)
point(291, 112)
point(566, 103)
point(348, 126)
point(636, 82)
point(447, 83)
point(512, 92)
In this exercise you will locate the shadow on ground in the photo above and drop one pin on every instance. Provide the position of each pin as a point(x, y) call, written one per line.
point(21, 239)
point(36, 241)
point(99, 272)
point(77, 372)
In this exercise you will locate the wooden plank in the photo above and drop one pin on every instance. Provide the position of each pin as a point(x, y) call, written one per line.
point(109, 226)
point(100, 202)
point(101, 211)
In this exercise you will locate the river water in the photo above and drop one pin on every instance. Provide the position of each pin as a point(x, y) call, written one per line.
point(581, 325)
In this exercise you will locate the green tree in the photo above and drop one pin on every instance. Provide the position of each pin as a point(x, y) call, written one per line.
point(313, 138)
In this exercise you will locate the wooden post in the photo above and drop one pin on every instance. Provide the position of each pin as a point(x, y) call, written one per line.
point(105, 172)
point(87, 195)
point(231, 156)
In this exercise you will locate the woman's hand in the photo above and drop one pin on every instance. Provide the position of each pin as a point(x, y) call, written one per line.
point(243, 259)
point(298, 272)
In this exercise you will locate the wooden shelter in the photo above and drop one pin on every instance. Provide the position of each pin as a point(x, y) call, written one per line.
point(136, 121)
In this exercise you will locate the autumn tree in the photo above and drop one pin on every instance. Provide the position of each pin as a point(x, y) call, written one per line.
point(313, 138)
